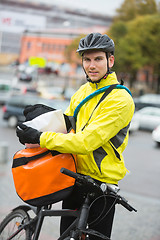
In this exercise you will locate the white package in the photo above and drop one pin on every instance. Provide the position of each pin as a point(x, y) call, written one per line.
point(51, 121)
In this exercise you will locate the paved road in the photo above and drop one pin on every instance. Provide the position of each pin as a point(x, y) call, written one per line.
point(140, 187)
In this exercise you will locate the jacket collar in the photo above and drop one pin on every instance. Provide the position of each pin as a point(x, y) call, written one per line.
point(111, 79)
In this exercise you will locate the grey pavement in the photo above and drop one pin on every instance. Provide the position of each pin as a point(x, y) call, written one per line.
point(143, 225)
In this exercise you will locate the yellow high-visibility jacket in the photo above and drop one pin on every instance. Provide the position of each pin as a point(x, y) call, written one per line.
point(100, 145)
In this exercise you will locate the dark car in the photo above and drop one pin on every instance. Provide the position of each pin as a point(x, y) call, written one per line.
point(147, 100)
point(5, 88)
point(13, 108)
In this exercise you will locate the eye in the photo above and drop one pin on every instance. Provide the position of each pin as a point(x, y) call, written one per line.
point(98, 59)
point(86, 59)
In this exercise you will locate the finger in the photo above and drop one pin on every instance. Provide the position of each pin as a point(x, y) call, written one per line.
point(28, 109)
point(19, 132)
point(22, 126)
point(22, 142)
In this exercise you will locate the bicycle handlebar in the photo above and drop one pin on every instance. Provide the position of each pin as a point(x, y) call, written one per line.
point(69, 173)
point(125, 204)
point(87, 179)
point(80, 178)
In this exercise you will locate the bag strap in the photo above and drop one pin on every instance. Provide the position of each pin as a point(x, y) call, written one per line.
point(105, 94)
point(111, 87)
point(24, 160)
point(103, 89)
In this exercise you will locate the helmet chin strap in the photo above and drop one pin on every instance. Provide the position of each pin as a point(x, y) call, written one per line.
point(104, 77)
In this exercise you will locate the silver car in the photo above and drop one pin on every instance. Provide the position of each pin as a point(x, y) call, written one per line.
point(148, 118)
point(156, 135)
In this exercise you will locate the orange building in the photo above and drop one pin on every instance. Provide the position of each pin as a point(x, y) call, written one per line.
point(42, 45)
point(50, 44)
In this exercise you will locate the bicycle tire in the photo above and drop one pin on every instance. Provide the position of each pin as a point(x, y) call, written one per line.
point(11, 223)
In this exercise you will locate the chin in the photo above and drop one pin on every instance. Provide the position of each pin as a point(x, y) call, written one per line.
point(94, 79)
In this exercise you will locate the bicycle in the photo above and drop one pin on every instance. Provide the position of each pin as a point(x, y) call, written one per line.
point(19, 223)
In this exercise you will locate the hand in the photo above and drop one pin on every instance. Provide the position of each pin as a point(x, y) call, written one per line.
point(27, 134)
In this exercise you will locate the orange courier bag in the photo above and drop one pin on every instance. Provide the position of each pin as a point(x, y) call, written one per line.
point(37, 177)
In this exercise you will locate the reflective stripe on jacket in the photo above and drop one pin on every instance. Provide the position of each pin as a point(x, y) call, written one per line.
point(100, 145)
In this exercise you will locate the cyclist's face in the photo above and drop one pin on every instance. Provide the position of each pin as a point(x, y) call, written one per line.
point(95, 64)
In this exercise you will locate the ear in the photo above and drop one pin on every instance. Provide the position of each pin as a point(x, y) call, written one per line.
point(111, 61)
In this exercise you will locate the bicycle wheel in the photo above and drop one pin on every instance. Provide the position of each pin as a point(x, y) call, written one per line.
point(11, 224)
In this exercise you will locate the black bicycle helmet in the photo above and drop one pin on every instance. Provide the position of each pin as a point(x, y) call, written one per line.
point(96, 41)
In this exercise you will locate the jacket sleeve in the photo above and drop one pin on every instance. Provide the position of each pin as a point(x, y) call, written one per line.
point(111, 116)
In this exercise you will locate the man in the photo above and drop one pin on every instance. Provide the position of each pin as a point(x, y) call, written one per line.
point(101, 134)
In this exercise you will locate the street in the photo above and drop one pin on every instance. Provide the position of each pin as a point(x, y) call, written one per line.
point(140, 187)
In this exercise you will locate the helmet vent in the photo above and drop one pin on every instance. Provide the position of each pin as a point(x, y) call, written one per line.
point(96, 41)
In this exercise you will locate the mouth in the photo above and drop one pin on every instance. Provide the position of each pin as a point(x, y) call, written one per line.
point(93, 73)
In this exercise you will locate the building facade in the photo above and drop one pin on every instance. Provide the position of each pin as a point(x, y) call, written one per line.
point(48, 28)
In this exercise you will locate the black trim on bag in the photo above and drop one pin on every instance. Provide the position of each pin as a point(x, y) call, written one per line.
point(24, 160)
point(50, 198)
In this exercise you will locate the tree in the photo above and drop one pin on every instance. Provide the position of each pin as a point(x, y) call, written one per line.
point(130, 9)
point(119, 30)
point(70, 51)
point(138, 46)
point(146, 7)
point(127, 11)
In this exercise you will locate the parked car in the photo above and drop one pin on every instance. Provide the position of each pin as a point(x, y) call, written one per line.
point(5, 87)
point(26, 73)
point(54, 92)
point(147, 100)
point(50, 68)
point(13, 108)
point(156, 135)
point(50, 92)
point(134, 126)
point(24, 89)
point(148, 118)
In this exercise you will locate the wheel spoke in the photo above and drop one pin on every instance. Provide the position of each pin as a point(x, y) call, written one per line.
point(12, 223)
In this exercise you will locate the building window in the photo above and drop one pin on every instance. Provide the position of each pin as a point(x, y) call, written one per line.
point(28, 45)
point(10, 43)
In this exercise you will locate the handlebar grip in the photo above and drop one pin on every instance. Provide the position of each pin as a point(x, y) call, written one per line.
point(82, 179)
point(128, 207)
point(125, 204)
point(69, 173)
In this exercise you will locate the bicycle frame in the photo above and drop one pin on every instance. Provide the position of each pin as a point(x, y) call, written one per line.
point(79, 224)
point(38, 221)
point(54, 213)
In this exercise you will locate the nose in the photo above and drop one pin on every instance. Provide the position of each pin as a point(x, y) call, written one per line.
point(92, 64)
